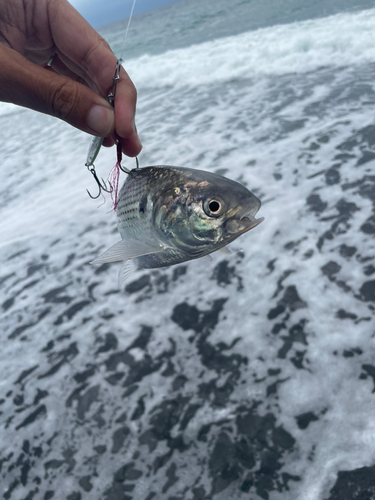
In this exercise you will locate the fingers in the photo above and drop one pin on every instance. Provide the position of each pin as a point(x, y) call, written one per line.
point(58, 66)
point(126, 97)
point(82, 57)
point(24, 83)
point(82, 45)
point(132, 146)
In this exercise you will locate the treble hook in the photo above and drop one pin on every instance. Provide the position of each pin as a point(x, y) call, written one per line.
point(102, 185)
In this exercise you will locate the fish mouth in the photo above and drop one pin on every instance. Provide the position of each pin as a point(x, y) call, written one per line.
point(249, 222)
point(236, 227)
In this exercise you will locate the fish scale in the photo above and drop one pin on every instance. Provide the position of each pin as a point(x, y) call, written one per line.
point(131, 222)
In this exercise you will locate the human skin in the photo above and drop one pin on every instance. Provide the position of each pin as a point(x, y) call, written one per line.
point(75, 86)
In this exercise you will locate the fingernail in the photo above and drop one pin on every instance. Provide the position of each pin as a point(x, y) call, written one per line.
point(100, 120)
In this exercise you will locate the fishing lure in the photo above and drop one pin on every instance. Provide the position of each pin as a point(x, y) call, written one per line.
point(97, 142)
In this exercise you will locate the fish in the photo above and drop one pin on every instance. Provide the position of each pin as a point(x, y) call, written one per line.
point(168, 215)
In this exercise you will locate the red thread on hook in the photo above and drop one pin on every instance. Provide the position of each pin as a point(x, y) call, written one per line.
point(114, 176)
point(113, 179)
point(119, 152)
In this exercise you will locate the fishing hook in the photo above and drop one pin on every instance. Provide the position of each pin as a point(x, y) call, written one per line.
point(102, 185)
point(119, 158)
point(127, 171)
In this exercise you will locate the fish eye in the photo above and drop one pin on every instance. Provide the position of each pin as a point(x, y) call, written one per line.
point(213, 207)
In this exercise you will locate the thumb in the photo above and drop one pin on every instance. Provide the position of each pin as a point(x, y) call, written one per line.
point(26, 84)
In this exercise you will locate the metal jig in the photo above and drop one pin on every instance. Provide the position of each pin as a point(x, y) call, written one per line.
point(96, 142)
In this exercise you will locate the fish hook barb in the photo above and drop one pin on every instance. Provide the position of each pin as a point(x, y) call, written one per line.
point(101, 184)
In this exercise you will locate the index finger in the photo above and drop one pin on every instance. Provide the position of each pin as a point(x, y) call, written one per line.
point(80, 43)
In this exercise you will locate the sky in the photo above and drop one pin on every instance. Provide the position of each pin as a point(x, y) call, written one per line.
point(98, 13)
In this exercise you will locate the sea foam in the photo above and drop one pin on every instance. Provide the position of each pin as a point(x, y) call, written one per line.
point(339, 40)
point(299, 47)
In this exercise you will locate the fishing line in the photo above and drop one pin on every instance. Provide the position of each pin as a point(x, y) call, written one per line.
point(127, 29)
point(114, 175)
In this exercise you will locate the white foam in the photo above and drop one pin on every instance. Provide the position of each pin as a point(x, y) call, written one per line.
point(43, 182)
point(339, 40)
point(7, 108)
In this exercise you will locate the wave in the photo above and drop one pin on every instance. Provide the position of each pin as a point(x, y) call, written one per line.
point(339, 40)
point(6, 108)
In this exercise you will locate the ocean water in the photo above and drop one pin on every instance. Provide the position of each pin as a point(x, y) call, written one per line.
point(252, 377)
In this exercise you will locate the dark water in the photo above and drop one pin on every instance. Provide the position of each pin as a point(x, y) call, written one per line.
point(195, 21)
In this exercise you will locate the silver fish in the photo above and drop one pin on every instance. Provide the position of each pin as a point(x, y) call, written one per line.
point(168, 215)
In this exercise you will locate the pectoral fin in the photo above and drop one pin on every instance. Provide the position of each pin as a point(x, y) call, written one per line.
point(207, 258)
point(225, 250)
point(127, 249)
point(127, 269)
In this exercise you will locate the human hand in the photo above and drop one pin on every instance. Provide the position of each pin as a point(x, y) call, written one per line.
point(73, 89)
